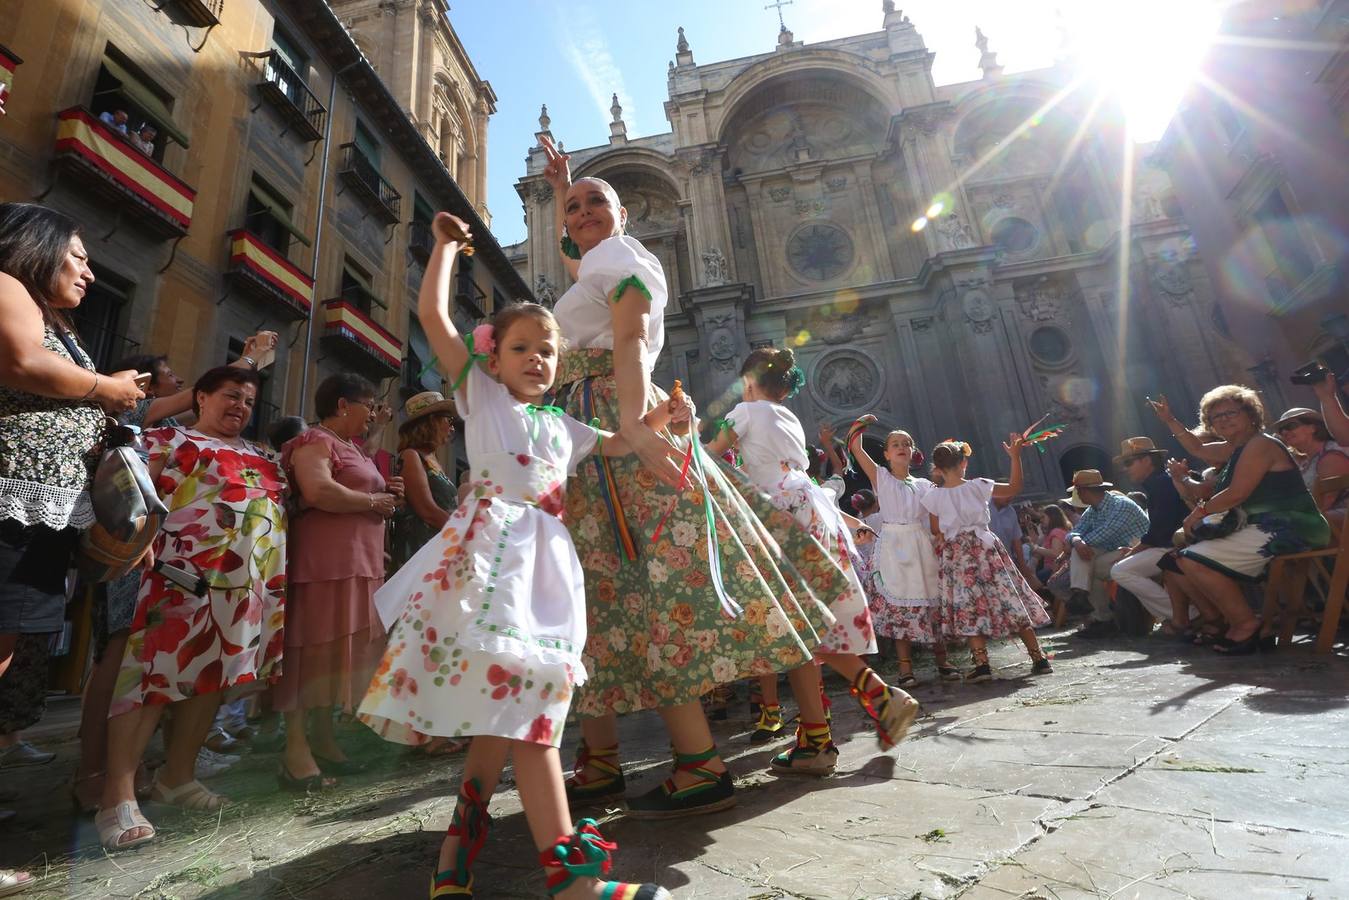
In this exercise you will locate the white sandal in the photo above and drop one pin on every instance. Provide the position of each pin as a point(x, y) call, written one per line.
point(14, 881)
point(191, 795)
point(114, 824)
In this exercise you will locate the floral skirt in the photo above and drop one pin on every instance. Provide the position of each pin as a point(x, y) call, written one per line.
point(657, 634)
point(982, 591)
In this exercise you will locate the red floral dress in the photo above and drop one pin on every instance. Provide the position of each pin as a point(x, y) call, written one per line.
point(226, 525)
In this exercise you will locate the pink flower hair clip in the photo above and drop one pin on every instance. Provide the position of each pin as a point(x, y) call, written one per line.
point(482, 341)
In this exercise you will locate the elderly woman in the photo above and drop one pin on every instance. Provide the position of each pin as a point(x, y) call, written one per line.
point(1259, 476)
point(430, 494)
point(1317, 455)
point(334, 639)
point(210, 611)
point(165, 397)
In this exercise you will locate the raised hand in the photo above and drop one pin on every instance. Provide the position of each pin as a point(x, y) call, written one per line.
point(1162, 408)
point(1178, 468)
point(259, 347)
point(1015, 441)
point(1326, 387)
point(681, 409)
point(450, 229)
point(826, 434)
point(557, 172)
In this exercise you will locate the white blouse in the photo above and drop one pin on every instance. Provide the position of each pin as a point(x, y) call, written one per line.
point(771, 440)
point(963, 508)
point(901, 501)
point(583, 311)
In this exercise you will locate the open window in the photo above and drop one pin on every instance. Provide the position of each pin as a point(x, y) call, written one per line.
point(99, 319)
point(269, 216)
point(129, 101)
point(357, 287)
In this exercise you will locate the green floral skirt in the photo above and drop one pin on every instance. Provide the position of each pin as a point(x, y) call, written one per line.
point(657, 633)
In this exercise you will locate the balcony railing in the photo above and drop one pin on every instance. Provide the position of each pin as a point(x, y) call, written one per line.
point(202, 13)
point(287, 91)
point(421, 241)
point(363, 177)
point(349, 328)
point(137, 184)
point(468, 296)
point(266, 274)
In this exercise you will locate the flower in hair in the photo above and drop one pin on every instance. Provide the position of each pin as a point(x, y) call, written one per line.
point(965, 449)
point(483, 338)
point(916, 458)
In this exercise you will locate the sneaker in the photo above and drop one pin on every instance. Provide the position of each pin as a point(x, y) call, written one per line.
point(979, 674)
point(948, 673)
point(1097, 630)
point(211, 764)
point(1041, 666)
point(806, 761)
point(24, 754)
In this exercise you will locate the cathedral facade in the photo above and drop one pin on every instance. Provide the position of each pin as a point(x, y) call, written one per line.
point(947, 257)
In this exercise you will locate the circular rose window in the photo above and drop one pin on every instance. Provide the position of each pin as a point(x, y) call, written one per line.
point(820, 252)
point(1050, 345)
point(1015, 235)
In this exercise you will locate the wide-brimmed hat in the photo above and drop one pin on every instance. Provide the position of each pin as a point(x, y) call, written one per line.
point(426, 403)
point(1298, 412)
point(1086, 478)
point(1132, 448)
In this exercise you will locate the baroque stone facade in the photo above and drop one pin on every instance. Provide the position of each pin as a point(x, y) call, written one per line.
point(944, 256)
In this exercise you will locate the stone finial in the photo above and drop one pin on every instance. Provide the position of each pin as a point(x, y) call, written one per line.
point(988, 61)
point(616, 110)
point(544, 120)
point(683, 45)
point(888, 7)
point(683, 55)
point(618, 131)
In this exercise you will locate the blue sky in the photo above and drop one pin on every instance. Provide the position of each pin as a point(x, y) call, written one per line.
point(573, 56)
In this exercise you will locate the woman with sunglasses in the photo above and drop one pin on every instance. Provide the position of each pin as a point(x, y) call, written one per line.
point(1277, 515)
point(1317, 455)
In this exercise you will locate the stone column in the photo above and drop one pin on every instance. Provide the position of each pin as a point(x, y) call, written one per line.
point(719, 314)
point(709, 228)
point(871, 214)
point(480, 162)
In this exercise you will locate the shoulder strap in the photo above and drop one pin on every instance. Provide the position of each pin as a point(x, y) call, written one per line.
point(72, 347)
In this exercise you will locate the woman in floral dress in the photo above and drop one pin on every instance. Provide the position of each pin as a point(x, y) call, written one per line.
point(210, 613)
point(674, 607)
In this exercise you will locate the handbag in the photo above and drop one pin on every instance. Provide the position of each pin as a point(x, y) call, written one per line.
point(127, 508)
point(1220, 525)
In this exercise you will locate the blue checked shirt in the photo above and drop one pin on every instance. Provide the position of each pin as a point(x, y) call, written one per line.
point(1116, 522)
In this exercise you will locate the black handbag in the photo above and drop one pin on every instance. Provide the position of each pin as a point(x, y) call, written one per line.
point(1220, 525)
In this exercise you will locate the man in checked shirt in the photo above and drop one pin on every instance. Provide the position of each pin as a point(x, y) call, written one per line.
point(1111, 524)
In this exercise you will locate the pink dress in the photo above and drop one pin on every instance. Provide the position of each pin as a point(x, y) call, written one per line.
point(334, 639)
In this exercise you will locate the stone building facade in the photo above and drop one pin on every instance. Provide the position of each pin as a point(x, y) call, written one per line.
point(948, 257)
point(288, 189)
point(414, 48)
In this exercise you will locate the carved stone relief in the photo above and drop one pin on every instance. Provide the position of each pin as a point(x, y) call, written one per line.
point(836, 183)
point(979, 311)
point(1172, 279)
point(846, 380)
point(780, 194)
point(714, 266)
point(956, 232)
point(544, 292)
point(721, 342)
point(1041, 302)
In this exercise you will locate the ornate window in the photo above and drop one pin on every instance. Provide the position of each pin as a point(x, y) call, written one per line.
point(820, 252)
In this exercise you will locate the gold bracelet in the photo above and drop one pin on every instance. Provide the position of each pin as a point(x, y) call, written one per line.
point(89, 393)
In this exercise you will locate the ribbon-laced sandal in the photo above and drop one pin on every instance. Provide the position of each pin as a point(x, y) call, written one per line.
point(115, 824)
point(813, 754)
point(769, 726)
point(470, 824)
point(584, 790)
point(712, 792)
point(586, 854)
point(892, 710)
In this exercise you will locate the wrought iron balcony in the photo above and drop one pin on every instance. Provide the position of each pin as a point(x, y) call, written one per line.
point(287, 91)
point(347, 328)
point(266, 274)
point(421, 241)
point(137, 185)
point(362, 176)
point(202, 13)
point(468, 297)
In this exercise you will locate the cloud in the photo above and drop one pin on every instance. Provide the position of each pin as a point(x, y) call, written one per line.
point(588, 53)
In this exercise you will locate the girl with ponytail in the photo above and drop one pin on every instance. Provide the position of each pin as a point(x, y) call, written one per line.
point(772, 444)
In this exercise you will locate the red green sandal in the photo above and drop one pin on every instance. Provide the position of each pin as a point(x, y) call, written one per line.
point(891, 709)
point(586, 854)
point(813, 754)
point(583, 790)
point(769, 726)
point(470, 824)
point(712, 792)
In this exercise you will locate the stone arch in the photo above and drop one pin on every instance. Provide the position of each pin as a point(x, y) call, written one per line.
point(840, 64)
point(987, 119)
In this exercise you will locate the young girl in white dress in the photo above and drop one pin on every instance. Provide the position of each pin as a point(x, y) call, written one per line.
point(772, 446)
point(489, 640)
point(982, 592)
point(904, 606)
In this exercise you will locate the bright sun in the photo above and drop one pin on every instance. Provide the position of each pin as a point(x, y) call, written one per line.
point(1145, 51)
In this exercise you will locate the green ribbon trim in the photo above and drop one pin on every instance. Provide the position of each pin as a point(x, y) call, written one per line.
point(631, 281)
point(532, 412)
point(473, 357)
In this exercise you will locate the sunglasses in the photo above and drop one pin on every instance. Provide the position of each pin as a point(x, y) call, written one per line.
point(1289, 426)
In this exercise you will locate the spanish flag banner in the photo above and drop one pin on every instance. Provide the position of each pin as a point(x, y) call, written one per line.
point(342, 319)
point(82, 135)
point(246, 251)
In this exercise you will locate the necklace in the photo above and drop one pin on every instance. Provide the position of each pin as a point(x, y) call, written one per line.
point(348, 441)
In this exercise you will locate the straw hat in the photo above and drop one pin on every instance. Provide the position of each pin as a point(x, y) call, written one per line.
point(1086, 478)
point(425, 404)
point(1298, 412)
point(1132, 448)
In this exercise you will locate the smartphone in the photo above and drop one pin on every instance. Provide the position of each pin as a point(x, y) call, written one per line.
point(143, 380)
point(1312, 373)
point(183, 578)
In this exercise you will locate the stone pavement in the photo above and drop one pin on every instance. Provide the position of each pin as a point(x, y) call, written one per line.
point(1139, 769)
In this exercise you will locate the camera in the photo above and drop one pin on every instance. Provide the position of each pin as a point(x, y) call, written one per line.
point(1312, 373)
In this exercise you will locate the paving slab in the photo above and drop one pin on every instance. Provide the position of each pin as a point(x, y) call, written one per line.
point(1109, 852)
